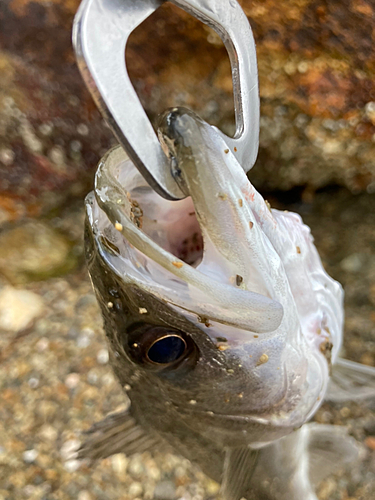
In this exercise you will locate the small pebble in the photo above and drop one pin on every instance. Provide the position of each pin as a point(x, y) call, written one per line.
point(165, 490)
point(72, 380)
point(72, 465)
point(84, 495)
point(103, 356)
point(83, 341)
point(48, 433)
point(119, 463)
point(353, 263)
point(42, 344)
point(18, 309)
point(92, 376)
point(82, 129)
point(33, 382)
point(370, 442)
point(135, 489)
point(29, 456)
point(136, 467)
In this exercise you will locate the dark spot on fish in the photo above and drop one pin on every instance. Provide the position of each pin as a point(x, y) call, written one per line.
point(136, 213)
point(221, 339)
point(191, 213)
point(239, 279)
point(326, 349)
point(204, 320)
point(190, 249)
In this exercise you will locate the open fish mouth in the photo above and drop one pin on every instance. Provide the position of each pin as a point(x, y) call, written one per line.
point(204, 254)
point(222, 257)
point(221, 253)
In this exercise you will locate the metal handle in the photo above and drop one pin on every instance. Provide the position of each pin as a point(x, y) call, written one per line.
point(100, 33)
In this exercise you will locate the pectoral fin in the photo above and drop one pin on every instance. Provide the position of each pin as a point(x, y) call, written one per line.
point(239, 466)
point(117, 433)
point(350, 381)
point(330, 447)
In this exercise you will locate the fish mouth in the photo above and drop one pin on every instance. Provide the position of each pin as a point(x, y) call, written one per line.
point(184, 252)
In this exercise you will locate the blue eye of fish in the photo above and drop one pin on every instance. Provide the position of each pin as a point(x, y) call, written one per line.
point(161, 348)
point(166, 349)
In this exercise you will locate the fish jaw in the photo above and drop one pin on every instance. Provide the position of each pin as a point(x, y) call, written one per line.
point(259, 337)
point(206, 294)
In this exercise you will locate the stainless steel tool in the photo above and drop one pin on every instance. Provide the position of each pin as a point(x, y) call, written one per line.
point(100, 33)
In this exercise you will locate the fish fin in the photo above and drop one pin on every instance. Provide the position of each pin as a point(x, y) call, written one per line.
point(117, 433)
point(239, 466)
point(350, 381)
point(330, 447)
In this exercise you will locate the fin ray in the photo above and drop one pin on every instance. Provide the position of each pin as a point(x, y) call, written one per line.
point(350, 381)
point(239, 466)
point(330, 447)
point(117, 433)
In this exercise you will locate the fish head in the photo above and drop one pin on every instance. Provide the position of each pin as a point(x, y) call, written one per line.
point(219, 315)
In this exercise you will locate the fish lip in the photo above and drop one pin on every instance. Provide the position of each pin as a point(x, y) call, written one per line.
point(267, 420)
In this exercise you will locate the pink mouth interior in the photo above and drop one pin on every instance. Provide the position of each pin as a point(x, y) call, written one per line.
point(173, 225)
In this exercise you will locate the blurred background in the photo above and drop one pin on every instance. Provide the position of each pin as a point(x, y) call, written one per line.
point(317, 157)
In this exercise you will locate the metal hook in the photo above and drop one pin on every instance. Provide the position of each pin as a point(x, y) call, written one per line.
point(100, 33)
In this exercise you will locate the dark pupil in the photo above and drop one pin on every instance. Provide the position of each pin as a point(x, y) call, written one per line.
point(166, 350)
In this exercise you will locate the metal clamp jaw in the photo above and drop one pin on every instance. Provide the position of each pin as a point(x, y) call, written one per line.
point(100, 33)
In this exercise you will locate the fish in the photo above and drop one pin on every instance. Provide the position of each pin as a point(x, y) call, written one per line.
point(223, 328)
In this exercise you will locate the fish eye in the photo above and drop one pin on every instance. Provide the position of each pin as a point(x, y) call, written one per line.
point(158, 347)
point(167, 349)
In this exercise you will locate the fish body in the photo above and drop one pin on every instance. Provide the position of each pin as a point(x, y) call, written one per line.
point(223, 327)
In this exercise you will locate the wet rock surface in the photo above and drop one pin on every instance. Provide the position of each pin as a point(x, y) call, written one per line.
point(316, 69)
point(55, 380)
point(35, 250)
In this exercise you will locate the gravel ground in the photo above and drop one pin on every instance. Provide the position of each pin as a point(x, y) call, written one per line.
point(55, 380)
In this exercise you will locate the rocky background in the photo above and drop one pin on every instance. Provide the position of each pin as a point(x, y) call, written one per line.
point(316, 70)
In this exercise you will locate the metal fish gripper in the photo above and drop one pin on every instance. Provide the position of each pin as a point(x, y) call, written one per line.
point(100, 33)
